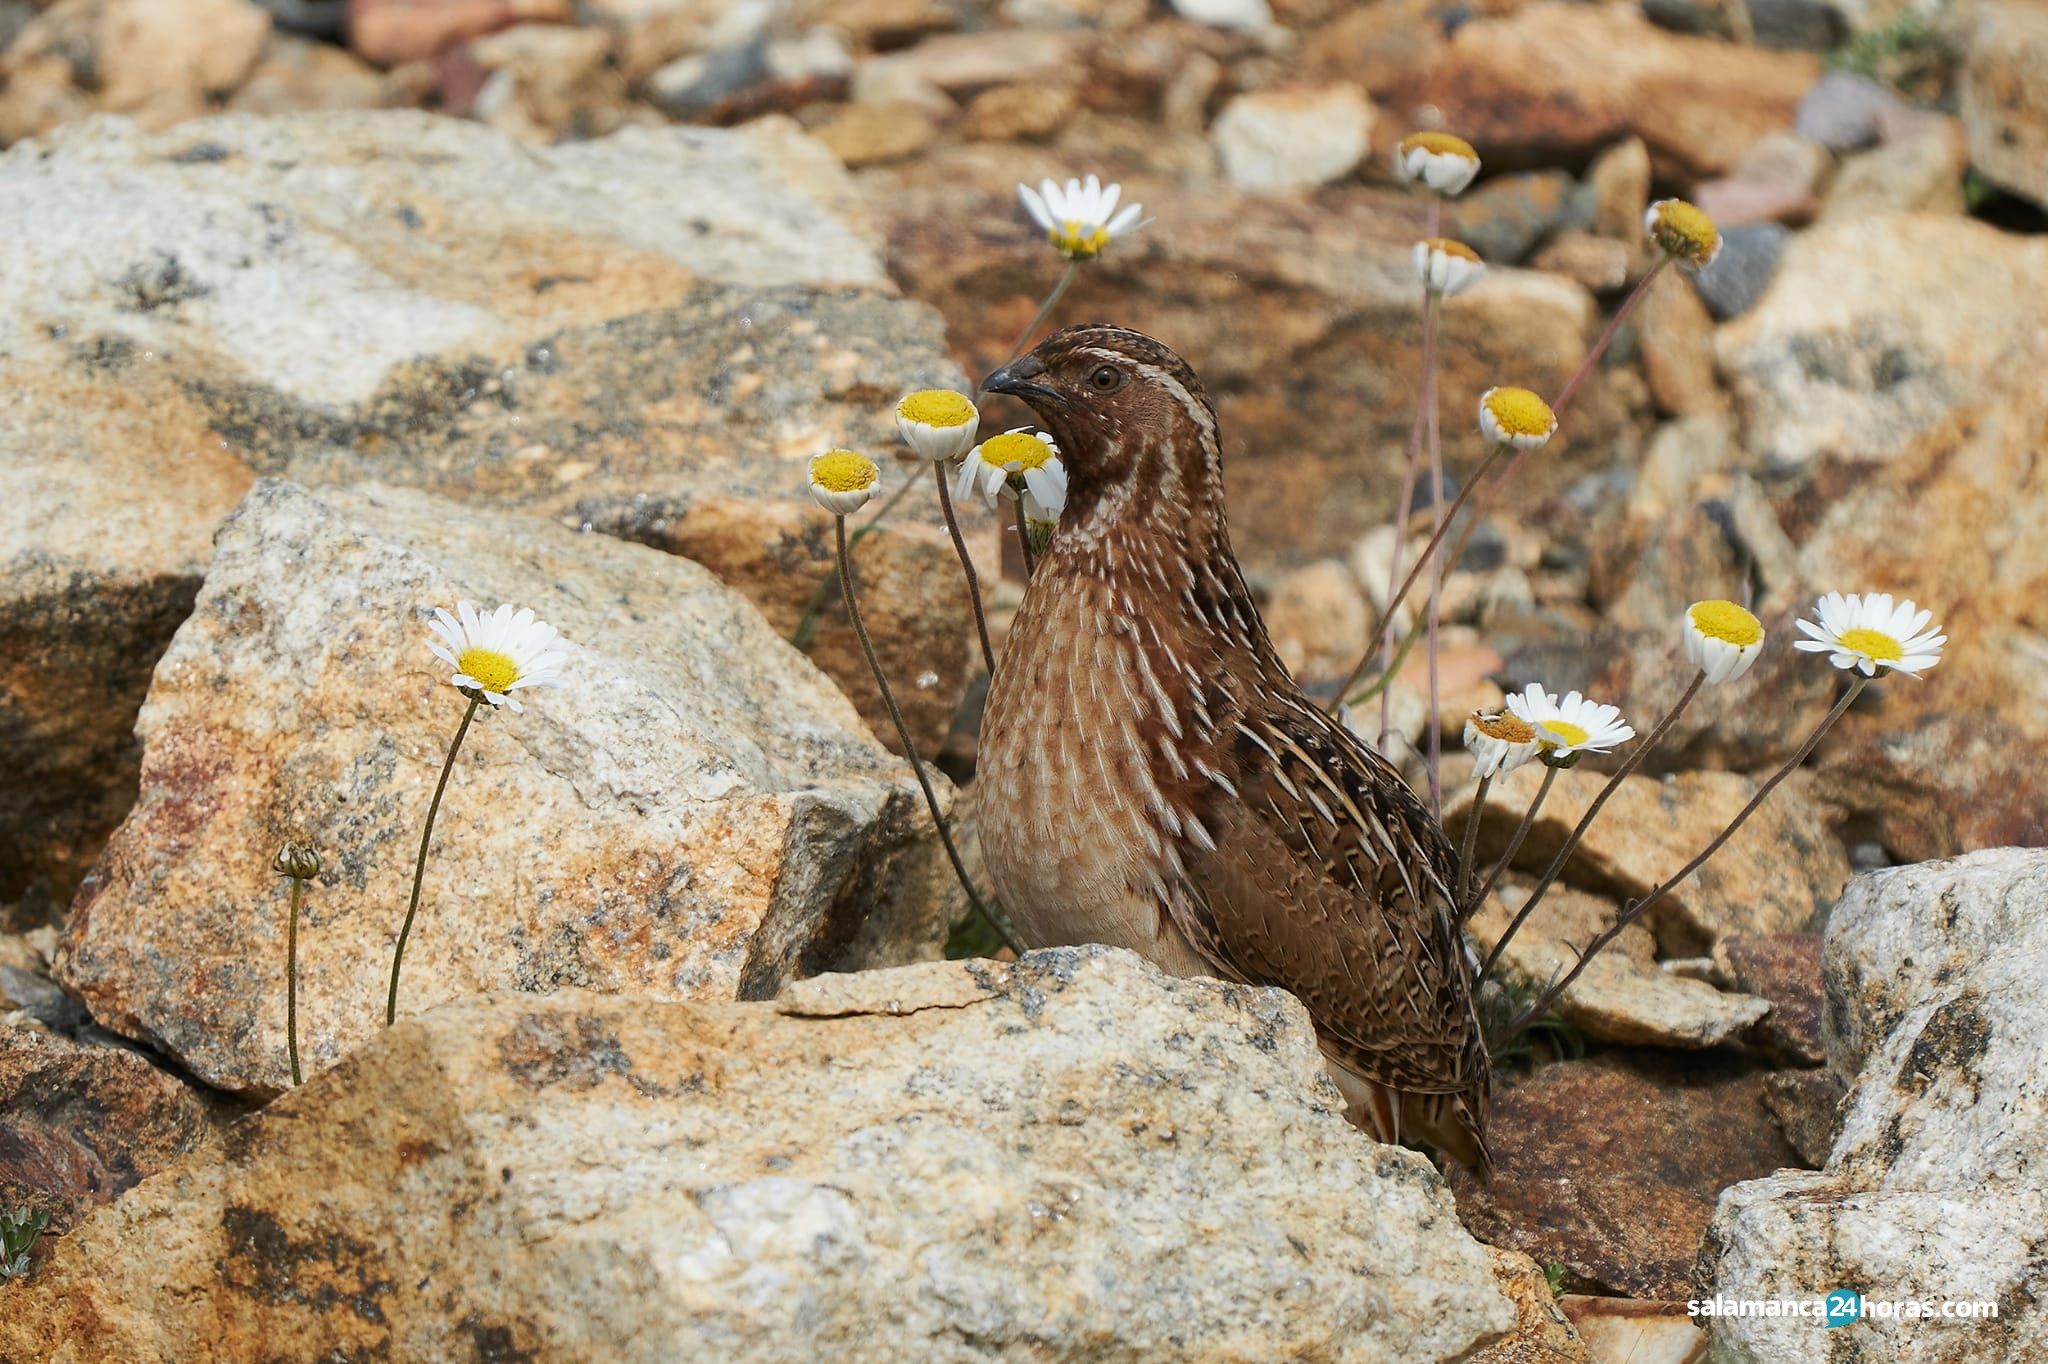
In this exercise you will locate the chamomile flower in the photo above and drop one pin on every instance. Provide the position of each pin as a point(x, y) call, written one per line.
point(1722, 639)
point(1515, 416)
point(1018, 461)
point(1081, 218)
point(843, 481)
point(497, 654)
point(1872, 634)
point(1499, 741)
point(1444, 163)
point(1683, 232)
point(1566, 728)
point(1446, 267)
point(938, 423)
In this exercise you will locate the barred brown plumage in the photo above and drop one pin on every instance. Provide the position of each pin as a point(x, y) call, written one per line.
point(1153, 778)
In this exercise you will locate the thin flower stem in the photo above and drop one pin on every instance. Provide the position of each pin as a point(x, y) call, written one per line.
point(1393, 602)
point(1436, 572)
point(419, 867)
point(291, 980)
point(1044, 311)
point(1411, 466)
point(931, 798)
point(1541, 1004)
point(814, 606)
point(1578, 834)
point(1515, 844)
point(1469, 844)
point(1628, 305)
point(1024, 543)
point(988, 653)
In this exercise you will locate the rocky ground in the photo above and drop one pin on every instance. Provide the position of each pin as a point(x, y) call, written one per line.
point(551, 301)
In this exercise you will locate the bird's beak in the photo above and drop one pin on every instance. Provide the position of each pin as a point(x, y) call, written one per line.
point(1018, 380)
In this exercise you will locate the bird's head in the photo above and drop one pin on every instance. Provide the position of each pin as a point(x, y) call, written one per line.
point(1124, 409)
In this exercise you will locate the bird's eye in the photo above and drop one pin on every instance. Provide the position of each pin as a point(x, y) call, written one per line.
point(1106, 379)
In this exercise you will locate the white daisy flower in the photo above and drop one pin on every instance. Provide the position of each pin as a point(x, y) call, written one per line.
point(1722, 639)
point(1082, 218)
point(498, 654)
point(1446, 267)
point(938, 423)
point(1501, 742)
point(1515, 416)
point(1444, 163)
point(1018, 461)
point(1567, 728)
point(1872, 634)
point(843, 481)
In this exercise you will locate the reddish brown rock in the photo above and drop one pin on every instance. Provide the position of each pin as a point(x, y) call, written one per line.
point(388, 32)
point(1553, 81)
point(1612, 1165)
point(1785, 969)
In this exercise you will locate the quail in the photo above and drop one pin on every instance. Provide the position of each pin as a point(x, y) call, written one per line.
point(1164, 785)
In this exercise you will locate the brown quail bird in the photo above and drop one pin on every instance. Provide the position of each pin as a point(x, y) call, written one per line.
point(1164, 785)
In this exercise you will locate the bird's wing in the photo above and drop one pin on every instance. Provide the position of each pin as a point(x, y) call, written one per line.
point(1329, 879)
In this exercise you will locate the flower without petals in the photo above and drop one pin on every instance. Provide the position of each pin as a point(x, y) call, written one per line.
point(1566, 728)
point(1018, 461)
point(1081, 218)
point(1722, 639)
point(843, 481)
point(497, 654)
point(1444, 163)
point(1499, 742)
point(1683, 232)
point(1872, 634)
point(1515, 416)
point(938, 423)
point(1447, 267)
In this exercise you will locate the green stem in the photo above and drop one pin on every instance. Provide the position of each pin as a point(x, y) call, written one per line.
point(1470, 843)
point(1515, 844)
point(931, 798)
point(419, 868)
point(1024, 542)
point(1578, 834)
point(1541, 1004)
point(291, 980)
point(988, 653)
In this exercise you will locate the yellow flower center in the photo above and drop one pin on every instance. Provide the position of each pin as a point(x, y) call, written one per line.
point(1440, 144)
point(492, 670)
point(936, 407)
point(1015, 451)
point(1451, 248)
point(1078, 240)
point(1572, 735)
point(1727, 622)
point(1685, 231)
point(1875, 645)
point(1520, 412)
point(1510, 729)
point(843, 471)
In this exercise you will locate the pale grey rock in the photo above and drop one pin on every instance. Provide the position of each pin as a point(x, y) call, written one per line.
point(1068, 1157)
point(1937, 980)
point(1275, 141)
point(700, 814)
point(2004, 94)
point(1245, 16)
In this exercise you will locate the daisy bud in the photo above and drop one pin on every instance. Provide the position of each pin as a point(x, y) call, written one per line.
point(843, 481)
point(1500, 742)
point(1444, 163)
point(1447, 267)
point(938, 423)
point(297, 861)
point(1722, 639)
point(1683, 233)
point(1515, 416)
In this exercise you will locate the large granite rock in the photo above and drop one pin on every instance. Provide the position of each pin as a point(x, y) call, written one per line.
point(646, 335)
point(1071, 1156)
point(700, 814)
point(1937, 980)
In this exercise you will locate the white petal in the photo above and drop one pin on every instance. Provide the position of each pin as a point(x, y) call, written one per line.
point(1126, 221)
